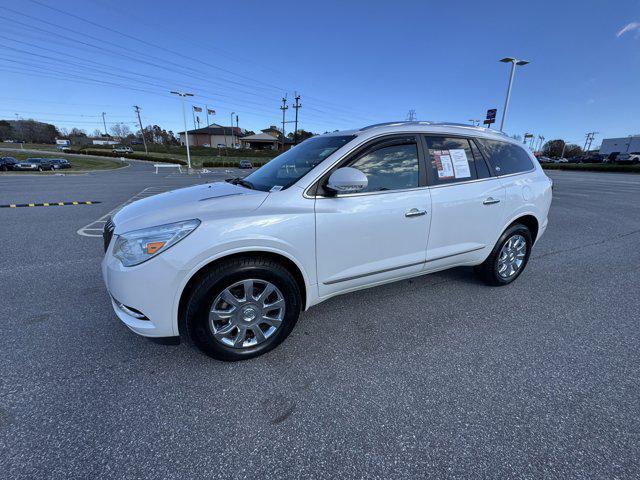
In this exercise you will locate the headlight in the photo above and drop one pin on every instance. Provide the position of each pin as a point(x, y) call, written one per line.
point(133, 248)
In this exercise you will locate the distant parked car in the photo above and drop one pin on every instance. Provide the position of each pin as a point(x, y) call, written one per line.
point(628, 158)
point(63, 148)
point(245, 164)
point(60, 163)
point(34, 164)
point(544, 159)
point(123, 150)
point(221, 145)
point(561, 160)
point(611, 158)
point(7, 163)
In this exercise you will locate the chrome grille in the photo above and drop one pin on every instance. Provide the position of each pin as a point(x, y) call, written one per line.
point(107, 233)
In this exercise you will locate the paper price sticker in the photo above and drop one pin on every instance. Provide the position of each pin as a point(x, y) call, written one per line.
point(444, 165)
point(460, 163)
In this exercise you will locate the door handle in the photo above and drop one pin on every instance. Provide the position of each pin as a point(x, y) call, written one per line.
point(414, 212)
point(491, 201)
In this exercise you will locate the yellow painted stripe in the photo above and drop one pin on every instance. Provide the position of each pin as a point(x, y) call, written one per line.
point(88, 203)
point(12, 206)
point(61, 204)
point(45, 204)
point(74, 203)
point(32, 204)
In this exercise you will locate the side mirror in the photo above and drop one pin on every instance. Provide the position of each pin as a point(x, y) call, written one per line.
point(347, 180)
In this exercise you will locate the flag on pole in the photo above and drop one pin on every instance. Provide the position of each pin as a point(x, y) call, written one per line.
point(211, 111)
point(197, 109)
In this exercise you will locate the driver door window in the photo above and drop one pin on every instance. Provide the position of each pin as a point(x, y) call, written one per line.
point(390, 167)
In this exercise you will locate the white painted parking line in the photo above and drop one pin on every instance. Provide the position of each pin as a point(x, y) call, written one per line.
point(94, 229)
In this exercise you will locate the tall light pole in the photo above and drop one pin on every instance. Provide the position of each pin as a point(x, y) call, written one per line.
point(514, 62)
point(184, 118)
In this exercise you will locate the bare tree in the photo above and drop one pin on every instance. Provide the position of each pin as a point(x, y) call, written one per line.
point(120, 130)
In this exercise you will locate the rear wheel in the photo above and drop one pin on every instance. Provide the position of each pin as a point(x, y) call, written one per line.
point(242, 308)
point(508, 258)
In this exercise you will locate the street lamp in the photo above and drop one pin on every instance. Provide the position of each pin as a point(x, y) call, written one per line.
point(184, 118)
point(514, 62)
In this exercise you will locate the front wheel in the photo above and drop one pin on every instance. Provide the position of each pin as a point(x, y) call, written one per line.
point(508, 258)
point(242, 308)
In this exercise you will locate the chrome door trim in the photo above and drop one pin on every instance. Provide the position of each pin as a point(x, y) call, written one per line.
point(454, 254)
point(346, 279)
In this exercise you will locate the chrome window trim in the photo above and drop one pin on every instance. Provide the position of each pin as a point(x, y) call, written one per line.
point(306, 194)
point(383, 192)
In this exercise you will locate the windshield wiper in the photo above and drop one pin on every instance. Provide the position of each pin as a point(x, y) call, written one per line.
point(240, 181)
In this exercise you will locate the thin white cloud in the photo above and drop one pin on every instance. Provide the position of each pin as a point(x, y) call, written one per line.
point(629, 27)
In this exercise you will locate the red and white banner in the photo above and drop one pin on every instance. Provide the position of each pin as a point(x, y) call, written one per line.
point(197, 109)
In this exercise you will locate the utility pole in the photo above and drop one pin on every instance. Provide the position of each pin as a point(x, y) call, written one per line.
point(411, 116)
point(207, 108)
point(184, 118)
point(137, 109)
point(231, 126)
point(284, 109)
point(514, 62)
point(564, 144)
point(296, 106)
point(588, 140)
point(104, 122)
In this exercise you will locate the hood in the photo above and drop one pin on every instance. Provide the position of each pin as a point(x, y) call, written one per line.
point(204, 202)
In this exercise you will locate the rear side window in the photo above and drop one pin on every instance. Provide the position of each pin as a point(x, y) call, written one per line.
point(451, 160)
point(506, 158)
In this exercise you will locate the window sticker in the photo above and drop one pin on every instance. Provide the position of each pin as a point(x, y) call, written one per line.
point(444, 166)
point(460, 163)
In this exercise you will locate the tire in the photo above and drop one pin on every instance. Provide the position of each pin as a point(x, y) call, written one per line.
point(232, 276)
point(40, 169)
point(489, 270)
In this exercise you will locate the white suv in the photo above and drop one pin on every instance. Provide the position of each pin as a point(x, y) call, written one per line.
point(231, 265)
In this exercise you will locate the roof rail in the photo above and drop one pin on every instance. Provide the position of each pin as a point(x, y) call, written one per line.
point(428, 122)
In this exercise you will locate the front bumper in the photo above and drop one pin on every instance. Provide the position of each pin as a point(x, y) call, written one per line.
point(150, 288)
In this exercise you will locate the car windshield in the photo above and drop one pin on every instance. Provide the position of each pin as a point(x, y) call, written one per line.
point(286, 169)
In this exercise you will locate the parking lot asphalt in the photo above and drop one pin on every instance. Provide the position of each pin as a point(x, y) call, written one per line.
point(438, 376)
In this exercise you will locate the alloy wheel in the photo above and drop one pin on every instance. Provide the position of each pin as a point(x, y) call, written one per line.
point(247, 313)
point(512, 256)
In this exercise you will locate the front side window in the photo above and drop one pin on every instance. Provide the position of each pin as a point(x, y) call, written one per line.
point(390, 167)
point(506, 158)
point(286, 169)
point(451, 160)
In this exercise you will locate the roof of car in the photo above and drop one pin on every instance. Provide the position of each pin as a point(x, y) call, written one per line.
point(428, 127)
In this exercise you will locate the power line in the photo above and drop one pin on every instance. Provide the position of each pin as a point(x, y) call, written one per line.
point(146, 54)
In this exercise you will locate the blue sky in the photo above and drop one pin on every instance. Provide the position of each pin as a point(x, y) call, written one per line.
point(353, 62)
